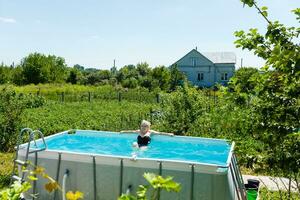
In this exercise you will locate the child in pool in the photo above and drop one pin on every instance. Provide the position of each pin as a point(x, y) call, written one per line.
point(144, 137)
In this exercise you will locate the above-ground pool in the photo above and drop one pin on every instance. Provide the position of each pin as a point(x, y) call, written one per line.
point(104, 165)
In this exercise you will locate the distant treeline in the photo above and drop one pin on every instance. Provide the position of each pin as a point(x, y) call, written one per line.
point(39, 68)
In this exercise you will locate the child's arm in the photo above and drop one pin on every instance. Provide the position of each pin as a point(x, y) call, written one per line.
point(161, 133)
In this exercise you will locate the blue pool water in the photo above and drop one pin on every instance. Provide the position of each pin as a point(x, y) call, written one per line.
point(162, 147)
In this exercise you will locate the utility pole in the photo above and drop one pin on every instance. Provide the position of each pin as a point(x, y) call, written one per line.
point(114, 69)
point(241, 62)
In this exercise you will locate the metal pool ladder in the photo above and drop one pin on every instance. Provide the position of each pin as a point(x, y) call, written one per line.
point(237, 178)
point(31, 140)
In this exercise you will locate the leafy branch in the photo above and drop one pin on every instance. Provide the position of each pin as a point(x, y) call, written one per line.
point(157, 183)
point(16, 189)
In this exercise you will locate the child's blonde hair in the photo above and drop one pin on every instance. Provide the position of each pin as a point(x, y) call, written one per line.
point(145, 123)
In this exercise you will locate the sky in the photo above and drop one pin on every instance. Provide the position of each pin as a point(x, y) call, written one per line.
point(93, 33)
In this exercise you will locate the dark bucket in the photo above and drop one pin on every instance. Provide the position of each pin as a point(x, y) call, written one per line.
point(253, 183)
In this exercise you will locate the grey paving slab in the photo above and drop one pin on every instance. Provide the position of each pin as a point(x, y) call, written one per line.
point(272, 183)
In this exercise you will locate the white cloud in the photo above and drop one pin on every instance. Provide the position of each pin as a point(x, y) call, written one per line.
point(7, 20)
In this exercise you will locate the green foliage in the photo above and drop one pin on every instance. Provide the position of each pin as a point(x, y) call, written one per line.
point(76, 93)
point(74, 75)
point(276, 103)
point(5, 74)
point(250, 3)
point(38, 68)
point(162, 76)
point(286, 156)
point(157, 183)
point(114, 116)
point(34, 172)
point(163, 183)
point(244, 80)
point(14, 192)
point(265, 194)
point(6, 165)
point(177, 78)
point(130, 83)
point(181, 109)
point(11, 108)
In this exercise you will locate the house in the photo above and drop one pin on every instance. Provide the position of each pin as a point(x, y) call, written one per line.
point(207, 69)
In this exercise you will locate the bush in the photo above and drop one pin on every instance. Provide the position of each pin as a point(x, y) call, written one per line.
point(12, 106)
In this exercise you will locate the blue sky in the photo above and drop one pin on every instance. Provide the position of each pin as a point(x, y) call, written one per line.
point(93, 33)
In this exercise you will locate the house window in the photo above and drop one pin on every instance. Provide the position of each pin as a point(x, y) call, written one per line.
point(200, 76)
point(224, 76)
point(194, 61)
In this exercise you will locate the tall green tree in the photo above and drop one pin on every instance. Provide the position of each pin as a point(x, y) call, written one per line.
point(39, 68)
point(162, 76)
point(278, 89)
point(5, 74)
point(73, 76)
point(243, 84)
point(143, 69)
point(244, 80)
point(177, 78)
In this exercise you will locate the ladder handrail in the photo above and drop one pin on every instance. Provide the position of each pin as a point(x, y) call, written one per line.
point(238, 178)
point(19, 140)
point(41, 137)
point(30, 140)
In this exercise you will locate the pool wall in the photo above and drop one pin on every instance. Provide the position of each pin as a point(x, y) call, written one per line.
point(102, 177)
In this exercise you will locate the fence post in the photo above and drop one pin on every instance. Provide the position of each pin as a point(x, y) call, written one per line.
point(157, 98)
point(119, 96)
point(214, 98)
point(121, 121)
point(89, 96)
point(38, 92)
point(151, 118)
point(63, 97)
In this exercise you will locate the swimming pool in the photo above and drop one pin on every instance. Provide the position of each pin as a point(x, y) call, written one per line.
point(104, 164)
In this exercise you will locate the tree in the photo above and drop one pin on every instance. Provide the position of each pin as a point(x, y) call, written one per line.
point(73, 76)
point(128, 76)
point(17, 76)
point(162, 75)
point(78, 67)
point(177, 78)
point(143, 69)
point(105, 74)
point(92, 78)
point(244, 80)
point(38, 68)
point(5, 74)
point(57, 69)
point(277, 89)
point(243, 84)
